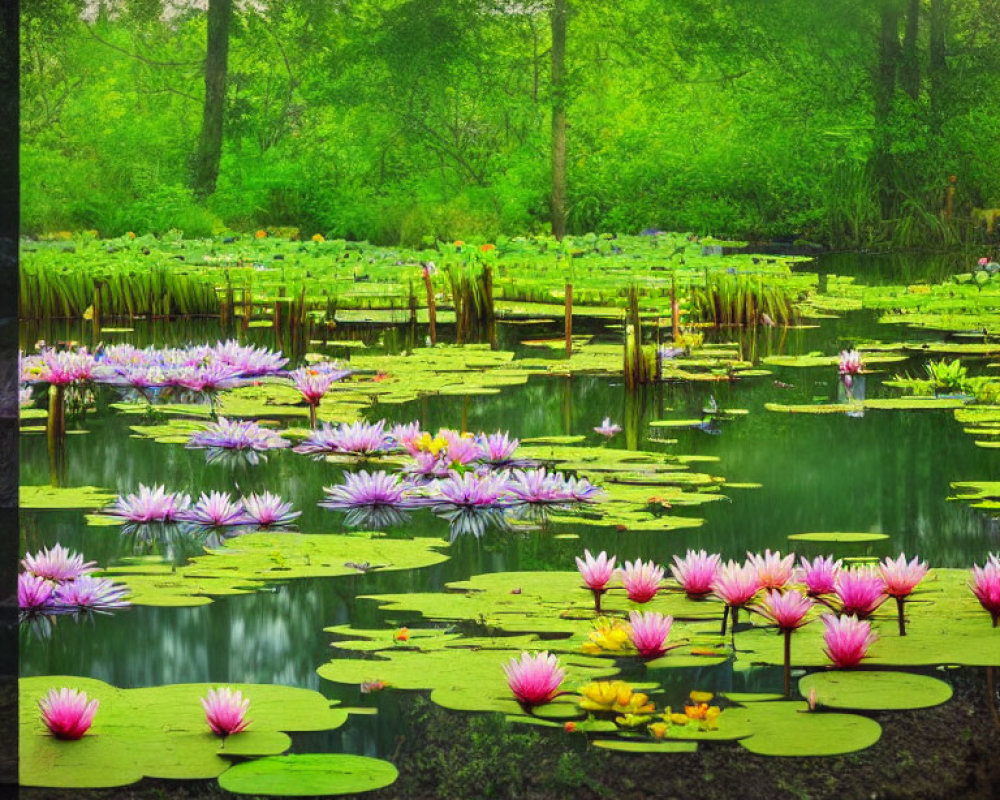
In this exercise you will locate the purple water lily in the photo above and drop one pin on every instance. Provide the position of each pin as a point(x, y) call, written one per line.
point(404, 436)
point(539, 486)
point(88, 592)
point(237, 434)
point(428, 465)
point(215, 510)
point(62, 367)
point(474, 491)
point(57, 564)
point(608, 428)
point(34, 591)
point(268, 509)
point(208, 378)
point(365, 488)
point(249, 360)
point(498, 448)
point(150, 504)
point(359, 438)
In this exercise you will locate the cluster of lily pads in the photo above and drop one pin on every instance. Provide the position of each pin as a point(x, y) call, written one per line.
point(58, 580)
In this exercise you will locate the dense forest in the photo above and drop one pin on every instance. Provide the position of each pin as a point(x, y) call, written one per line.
point(854, 123)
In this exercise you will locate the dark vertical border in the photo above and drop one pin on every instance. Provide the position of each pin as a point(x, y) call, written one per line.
point(9, 530)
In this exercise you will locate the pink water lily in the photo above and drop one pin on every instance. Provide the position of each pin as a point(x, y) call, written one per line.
point(34, 591)
point(57, 564)
point(861, 591)
point(819, 575)
point(538, 486)
point(596, 572)
point(359, 438)
point(773, 571)
point(62, 367)
point(67, 713)
point(900, 579)
point(735, 585)
point(150, 504)
point(696, 572)
point(649, 632)
point(985, 586)
point(404, 435)
point(534, 679)
point(461, 450)
point(608, 428)
point(268, 509)
point(313, 383)
point(641, 580)
point(850, 362)
point(847, 639)
point(226, 711)
point(788, 611)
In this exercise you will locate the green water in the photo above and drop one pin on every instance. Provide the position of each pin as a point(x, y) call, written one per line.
point(887, 472)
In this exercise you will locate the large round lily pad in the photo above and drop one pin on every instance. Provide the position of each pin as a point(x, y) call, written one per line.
point(785, 728)
point(309, 775)
point(875, 691)
point(651, 746)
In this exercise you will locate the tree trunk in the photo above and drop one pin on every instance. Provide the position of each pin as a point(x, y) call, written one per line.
point(936, 68)
point(558, 119)
point(909, 74)
point(884, 90)
point(206, 169)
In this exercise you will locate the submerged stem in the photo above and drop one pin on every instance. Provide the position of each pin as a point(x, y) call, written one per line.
point(788, 662)
point(902, 619)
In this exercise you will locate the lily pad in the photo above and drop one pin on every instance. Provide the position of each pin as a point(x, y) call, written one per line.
point(787, 728)
point(309, 775)
point(645, 746)
point(875, 690)
point(43, 497)
point(838, 537)
point(157, 732)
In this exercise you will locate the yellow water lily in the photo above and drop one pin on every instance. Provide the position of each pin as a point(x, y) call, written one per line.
point(659, 729)
point(608, 636)
point(633, 720)
point(701, 697)
point(614, 696)
point(679, 719)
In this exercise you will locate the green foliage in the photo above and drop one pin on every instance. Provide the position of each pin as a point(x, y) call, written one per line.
point(948, 376)
point(406, 120)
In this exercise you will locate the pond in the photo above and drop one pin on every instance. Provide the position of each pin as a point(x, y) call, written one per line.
point(761, 477)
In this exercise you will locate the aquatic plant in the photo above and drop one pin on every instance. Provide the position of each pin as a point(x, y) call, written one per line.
point(208, 378)
point(948, 376)
point(497, 448)
point(860, 590)
point(649, 632)
point(850, 362)
point(580, 490)
point(735, 585)
point(33, 591)
point(742, 300)
point(268, 509)
point(249, 360)
point(614, 697)
point(365, 488)
point(141, 377)
point(215, 509)
point(641, 580)
point(847, 639)
point(538, 486)
point(788, 611)
point(90, 593)
point(62, 367)
point(57, 564)
point(608, 428)
point(461, 450)
point(696, 571)
point(773, 571)
point(429, 465)
point(68, 713)
point(608, 636)
point(314, 382)
point(900, 579)
point(150, 504)
point(237, 434)
point(474, 491)
point(534, 679)
point(226, 711)
point(403, 436)
point(819, 575)
point(985, 586)
point(596, 572)
point(358, 438)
